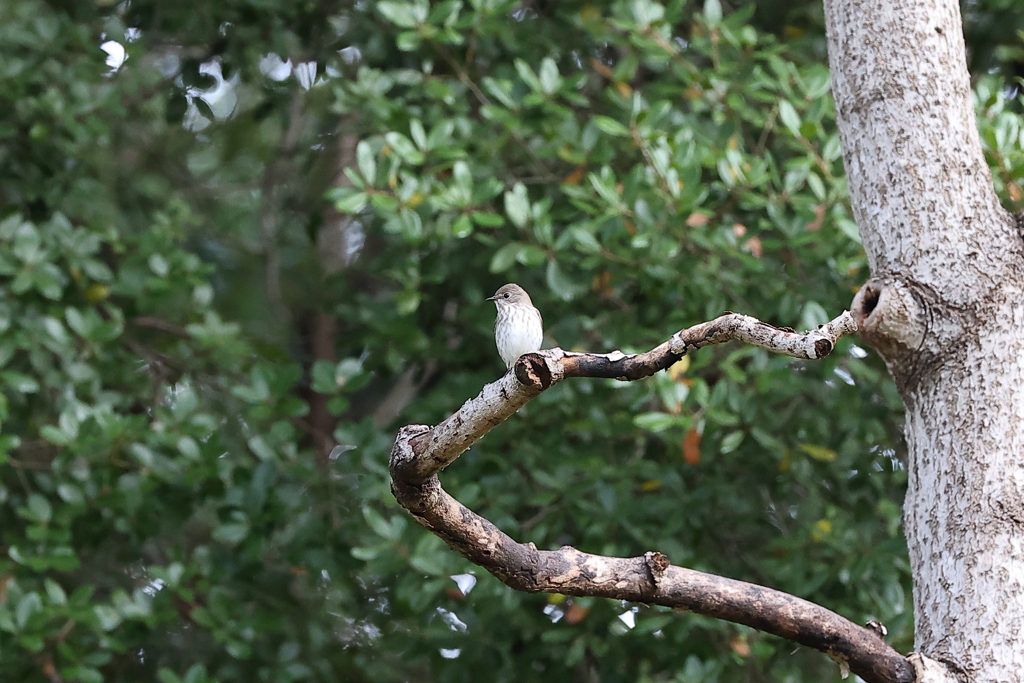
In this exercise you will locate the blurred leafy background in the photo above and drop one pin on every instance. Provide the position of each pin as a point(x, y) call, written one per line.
point(245, 241)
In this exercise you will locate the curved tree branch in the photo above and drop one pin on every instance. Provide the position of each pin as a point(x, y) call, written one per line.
point(420, 452)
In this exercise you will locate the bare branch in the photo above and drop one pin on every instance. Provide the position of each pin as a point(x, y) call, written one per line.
point(420, 452)
point(439, 447)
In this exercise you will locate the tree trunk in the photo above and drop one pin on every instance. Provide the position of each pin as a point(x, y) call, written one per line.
point(945, 308)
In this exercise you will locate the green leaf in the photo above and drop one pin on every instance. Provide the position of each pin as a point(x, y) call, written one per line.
point(462, 175)
point(550, 81)
point(558, 282)
point(404, 148)
point(487, 220)
point(818, 452)
point(526, 73)
point(790, 119)
point(231, 532)
point(82, 324)
point(407, 301)
point(379, 525)
point(647, 12)
point(586, 240)
point(732, 441)
point(604, 185)
point(54, 593)
point(83, 674)
point(28, 605)
point(384, 203)
point(70, 494)
point(167, 676)
point(429, 557)
point(108, 617)
point(39, 508)
point(408, 41)
point(813, 315)
point(463, 227)
point(365, 554)
point(412, 225)
point(188, 448)
point(817, 185)
point(611, 126)
point(849, 228)
point(712, 12)
point(531, 255)
point(263, 450)
point(367, 166)
point(655, 422)
point(504, 257)
point(158, 264)
point(48, 281)
point(404, 14)
point(323, 377)
point(832, 149)
point(767, 440)
point(419, 136)
point(354, 203)
point(55, 435)
point(517, 205)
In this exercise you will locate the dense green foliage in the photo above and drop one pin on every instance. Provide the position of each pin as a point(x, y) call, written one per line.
point(223, 287)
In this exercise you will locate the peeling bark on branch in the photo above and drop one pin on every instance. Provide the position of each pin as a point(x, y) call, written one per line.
point(420, 452)
point(533, 373)
point(930, 671)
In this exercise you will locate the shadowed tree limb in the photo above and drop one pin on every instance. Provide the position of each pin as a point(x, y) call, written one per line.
point(420, 452)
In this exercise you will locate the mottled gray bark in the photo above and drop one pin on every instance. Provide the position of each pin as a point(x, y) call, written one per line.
point(945, 308)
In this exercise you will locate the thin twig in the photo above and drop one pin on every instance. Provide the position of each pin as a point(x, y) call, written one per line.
point(268, 195)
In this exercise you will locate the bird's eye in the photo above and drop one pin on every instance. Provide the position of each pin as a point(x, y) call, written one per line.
point(506, 295)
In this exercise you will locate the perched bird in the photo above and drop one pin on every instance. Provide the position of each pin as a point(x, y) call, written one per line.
point(519, 327)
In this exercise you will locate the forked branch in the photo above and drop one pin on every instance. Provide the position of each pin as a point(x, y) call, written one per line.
point(420, 452)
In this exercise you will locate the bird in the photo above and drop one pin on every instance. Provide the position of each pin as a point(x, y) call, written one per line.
point(519, 327)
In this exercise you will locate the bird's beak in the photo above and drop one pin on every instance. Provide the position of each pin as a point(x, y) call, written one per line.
point(490, 298)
